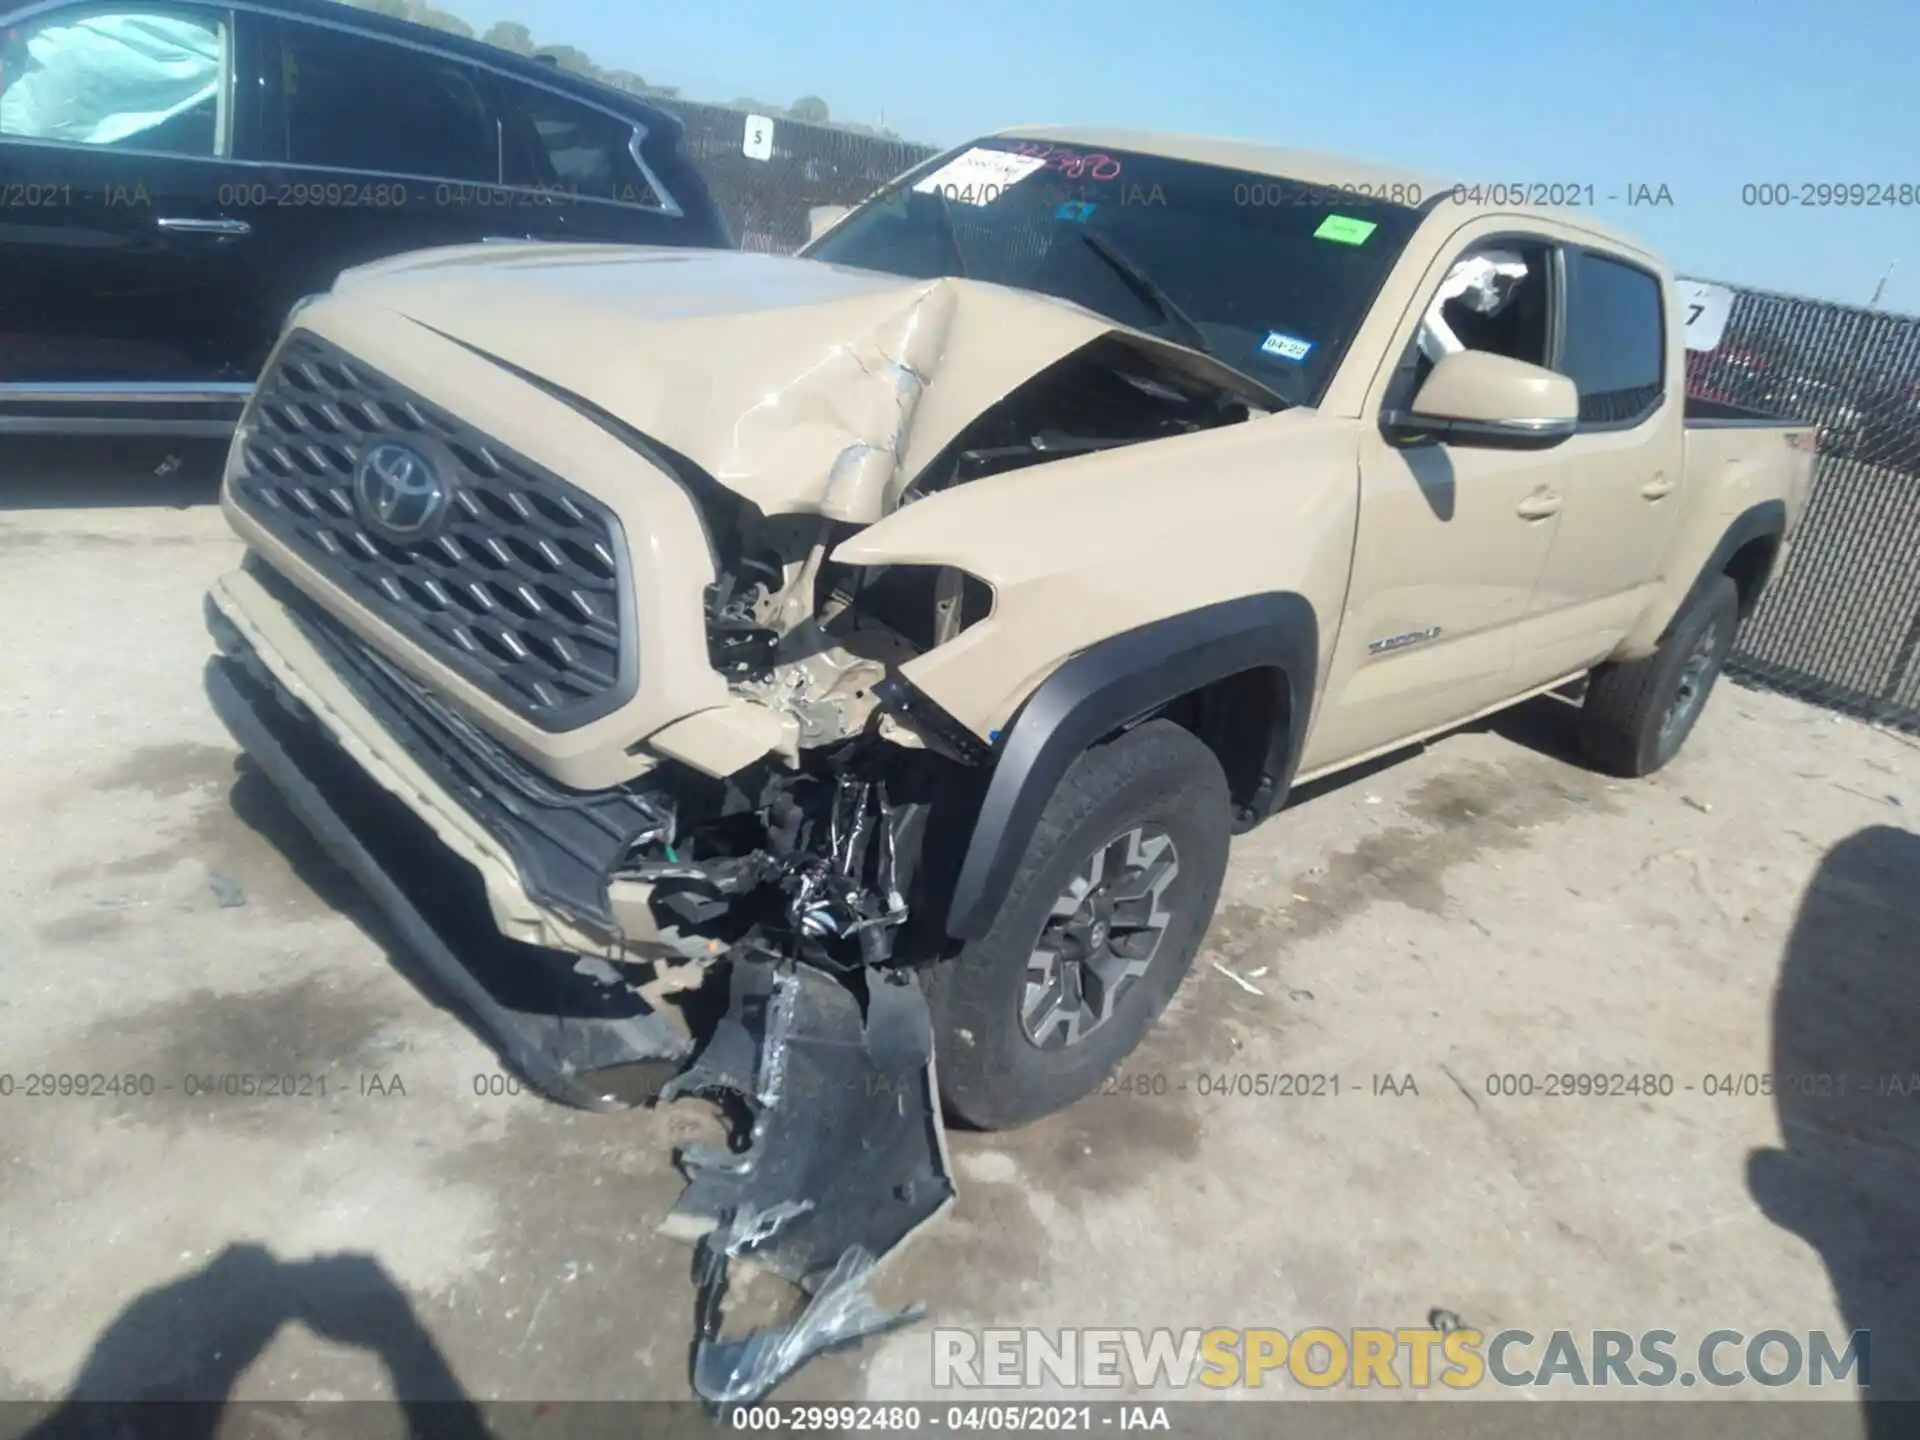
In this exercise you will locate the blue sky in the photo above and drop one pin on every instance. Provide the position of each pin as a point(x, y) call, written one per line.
point(1703, 96)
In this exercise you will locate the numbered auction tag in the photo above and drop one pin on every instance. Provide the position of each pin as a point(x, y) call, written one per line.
point(1704, 309)
point(979, 177)
point(758, 141)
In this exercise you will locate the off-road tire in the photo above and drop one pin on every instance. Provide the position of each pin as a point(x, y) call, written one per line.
point(1623, 722)
point(992, 1076)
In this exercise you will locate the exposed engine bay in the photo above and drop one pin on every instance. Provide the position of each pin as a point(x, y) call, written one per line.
point(795, 632)
point(1105, 395)
point(835, 823)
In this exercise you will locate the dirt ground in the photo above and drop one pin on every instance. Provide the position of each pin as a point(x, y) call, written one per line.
point(1480, 907)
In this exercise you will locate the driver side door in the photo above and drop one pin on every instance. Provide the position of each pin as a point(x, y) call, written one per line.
point(1452, 537)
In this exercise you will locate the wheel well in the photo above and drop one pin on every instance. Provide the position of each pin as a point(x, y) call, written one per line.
point(1749, 566)
point(1265, 644)
point(1240, 718)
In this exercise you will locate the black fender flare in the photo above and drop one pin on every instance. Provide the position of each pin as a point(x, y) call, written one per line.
point(1109, 685)
point(1757, 522)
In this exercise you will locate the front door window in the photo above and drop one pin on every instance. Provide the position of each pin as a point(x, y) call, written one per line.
point(137, 79)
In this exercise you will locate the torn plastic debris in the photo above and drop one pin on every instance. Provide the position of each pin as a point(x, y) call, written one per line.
point(831, 895)
point(847, 1159)
point(841, 1313)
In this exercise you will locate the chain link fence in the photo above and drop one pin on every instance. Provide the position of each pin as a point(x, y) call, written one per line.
point(766, 202)
point(1840, 624)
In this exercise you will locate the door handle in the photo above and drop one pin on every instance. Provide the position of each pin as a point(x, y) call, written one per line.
point(185, 225)
point(1538, 506)
point(1657, 488)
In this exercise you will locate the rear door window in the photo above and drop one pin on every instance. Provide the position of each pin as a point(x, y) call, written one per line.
point(357, 103)
point(574, 148)
point(1614, 349)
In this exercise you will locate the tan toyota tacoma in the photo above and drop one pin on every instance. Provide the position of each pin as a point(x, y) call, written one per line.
point(834, 680)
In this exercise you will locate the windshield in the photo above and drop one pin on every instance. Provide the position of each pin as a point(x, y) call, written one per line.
point(1271, 276)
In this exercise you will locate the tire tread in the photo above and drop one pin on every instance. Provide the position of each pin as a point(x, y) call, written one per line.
point(974, 1086)
point(1620, 719)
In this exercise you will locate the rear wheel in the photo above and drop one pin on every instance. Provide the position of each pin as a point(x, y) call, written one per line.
point(1110, 902)
point(1638, 715)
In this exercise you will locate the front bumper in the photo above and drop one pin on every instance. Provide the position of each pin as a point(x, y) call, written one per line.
point(541, 851)
point(429, 865)
point(845, 1159)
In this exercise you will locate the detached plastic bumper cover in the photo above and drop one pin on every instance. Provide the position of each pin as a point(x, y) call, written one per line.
point(848, 1161)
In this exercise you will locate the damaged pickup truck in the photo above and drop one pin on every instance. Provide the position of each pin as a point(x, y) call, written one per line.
point(884, 643)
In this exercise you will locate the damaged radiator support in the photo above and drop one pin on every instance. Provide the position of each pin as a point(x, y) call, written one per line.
point(847, 1159)
point(836, 848)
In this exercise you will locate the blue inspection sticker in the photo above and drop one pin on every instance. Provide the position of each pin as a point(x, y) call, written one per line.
point(1075, 210)
point(1282, 346)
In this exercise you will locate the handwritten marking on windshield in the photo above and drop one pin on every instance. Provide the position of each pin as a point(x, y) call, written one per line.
point(1074, 164)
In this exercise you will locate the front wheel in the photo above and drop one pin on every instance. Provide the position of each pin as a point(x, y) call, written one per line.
point(1109, 905)
point(1638, 715)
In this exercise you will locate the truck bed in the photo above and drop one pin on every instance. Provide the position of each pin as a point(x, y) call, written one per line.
point(1716, 414)
point(1746, 452)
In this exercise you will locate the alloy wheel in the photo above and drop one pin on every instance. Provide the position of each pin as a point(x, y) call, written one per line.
point(1100, 937)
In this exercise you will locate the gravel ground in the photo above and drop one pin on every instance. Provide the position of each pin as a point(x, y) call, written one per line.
point(1481, 907)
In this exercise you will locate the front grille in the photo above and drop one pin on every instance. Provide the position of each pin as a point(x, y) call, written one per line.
point(521, 587)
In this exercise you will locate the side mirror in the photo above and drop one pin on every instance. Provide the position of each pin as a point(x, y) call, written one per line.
point(822, 218)
point(1473, 398)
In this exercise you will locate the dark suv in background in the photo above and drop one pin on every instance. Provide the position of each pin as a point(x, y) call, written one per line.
point(176, 175)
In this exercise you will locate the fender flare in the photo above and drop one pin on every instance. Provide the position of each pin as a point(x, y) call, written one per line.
point(1108, 686)
point(1768, 518)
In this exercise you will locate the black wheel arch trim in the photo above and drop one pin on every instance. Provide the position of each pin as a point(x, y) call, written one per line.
point(1766, 520)
point(1110, 685)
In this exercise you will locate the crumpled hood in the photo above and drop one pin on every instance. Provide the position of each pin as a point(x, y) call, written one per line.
point(800, 385)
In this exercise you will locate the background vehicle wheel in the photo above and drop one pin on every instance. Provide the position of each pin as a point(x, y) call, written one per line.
point(1109, 904)
point(1638, 715)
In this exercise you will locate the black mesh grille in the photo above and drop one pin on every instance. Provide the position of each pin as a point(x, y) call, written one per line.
point(521, 587)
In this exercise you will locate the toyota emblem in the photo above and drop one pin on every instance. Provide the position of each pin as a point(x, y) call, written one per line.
point(397, 490)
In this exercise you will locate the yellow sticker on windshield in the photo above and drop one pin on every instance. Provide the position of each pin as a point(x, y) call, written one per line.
point(1345, 229)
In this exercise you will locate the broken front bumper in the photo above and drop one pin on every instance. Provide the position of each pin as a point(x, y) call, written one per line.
point(847, 1161)
point(524, 837)
point(846, 1157)
point(555, 1027)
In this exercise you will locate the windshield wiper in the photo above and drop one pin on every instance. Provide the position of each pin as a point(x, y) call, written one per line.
point(1143, 285)
point(1191, 335)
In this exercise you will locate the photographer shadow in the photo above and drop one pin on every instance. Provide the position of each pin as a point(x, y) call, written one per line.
point(1846, 1080)
point(168, 1363)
